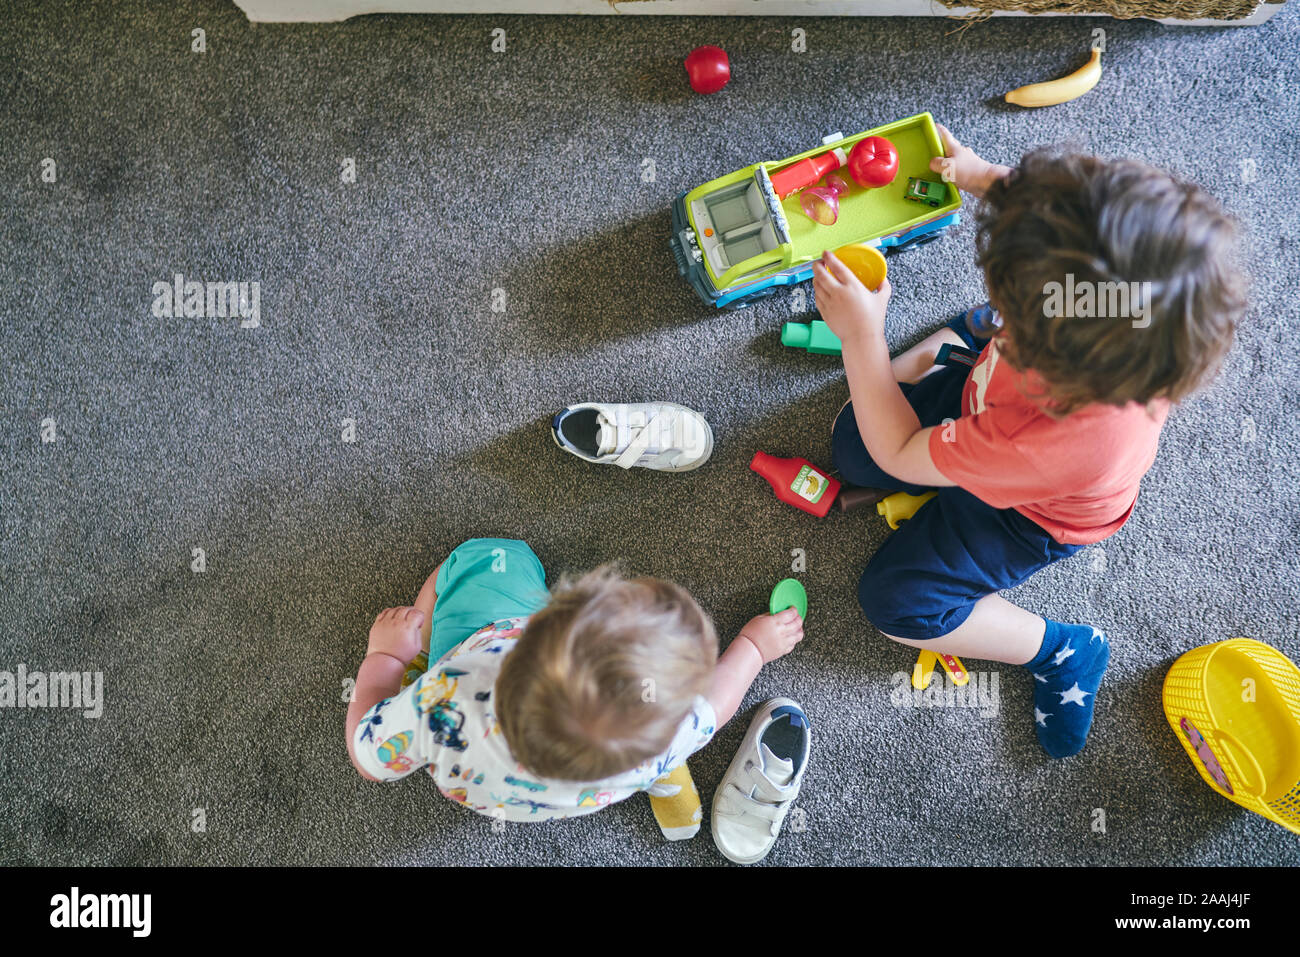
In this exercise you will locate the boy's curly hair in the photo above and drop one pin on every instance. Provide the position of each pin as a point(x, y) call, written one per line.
point(1066, 221)
point(604, 675)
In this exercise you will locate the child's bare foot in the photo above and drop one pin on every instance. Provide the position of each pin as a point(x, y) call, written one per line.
point(396, 632)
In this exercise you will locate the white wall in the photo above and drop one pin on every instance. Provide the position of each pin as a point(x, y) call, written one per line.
point(285, 11)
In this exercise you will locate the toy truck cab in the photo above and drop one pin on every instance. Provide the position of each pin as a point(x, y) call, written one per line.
point(738, 229)
point(735, 240)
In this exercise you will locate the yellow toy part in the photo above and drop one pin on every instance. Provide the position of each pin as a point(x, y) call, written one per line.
point(676, 804)
point(923, 670)
point(865, 262)
point(1235, 708)
point(901, 506)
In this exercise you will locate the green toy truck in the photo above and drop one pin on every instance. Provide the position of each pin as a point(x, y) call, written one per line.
point(736, 241)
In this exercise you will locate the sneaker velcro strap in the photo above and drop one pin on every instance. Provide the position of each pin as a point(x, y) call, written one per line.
point(739, 803)
point(639, 443)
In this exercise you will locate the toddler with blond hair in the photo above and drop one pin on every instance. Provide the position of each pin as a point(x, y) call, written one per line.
point(543, 705)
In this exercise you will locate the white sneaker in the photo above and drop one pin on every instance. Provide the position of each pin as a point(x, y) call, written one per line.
point(762, 782)
point(663, 436)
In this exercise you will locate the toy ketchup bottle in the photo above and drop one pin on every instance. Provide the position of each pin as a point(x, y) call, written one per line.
point(807, 171)
point(797, 482)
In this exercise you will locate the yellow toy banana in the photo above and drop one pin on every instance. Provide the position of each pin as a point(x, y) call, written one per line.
point(1059, 91)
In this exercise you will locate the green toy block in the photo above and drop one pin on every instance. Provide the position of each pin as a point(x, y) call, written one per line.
point(814, 336)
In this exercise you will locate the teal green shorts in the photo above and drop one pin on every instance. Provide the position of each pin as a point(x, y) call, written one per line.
point(482, 581)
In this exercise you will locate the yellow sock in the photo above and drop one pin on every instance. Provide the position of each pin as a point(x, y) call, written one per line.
point(416, 668)
point(676, 804)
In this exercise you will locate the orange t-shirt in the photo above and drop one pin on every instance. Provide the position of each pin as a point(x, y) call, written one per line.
point(1077, 477)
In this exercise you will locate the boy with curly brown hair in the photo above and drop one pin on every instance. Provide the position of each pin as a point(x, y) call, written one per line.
point(1113, 294)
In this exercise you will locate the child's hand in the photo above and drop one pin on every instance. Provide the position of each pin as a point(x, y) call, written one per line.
point(964, 167)
point(774, 635)
point(396, 632)
point(850, 309)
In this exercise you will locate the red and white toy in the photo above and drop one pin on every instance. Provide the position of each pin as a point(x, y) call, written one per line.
point(807, 171)
point(873, 162)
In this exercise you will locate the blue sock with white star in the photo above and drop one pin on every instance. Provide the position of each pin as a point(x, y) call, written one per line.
point(1067, 673)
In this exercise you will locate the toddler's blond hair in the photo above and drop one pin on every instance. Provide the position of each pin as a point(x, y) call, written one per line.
point(603, 676)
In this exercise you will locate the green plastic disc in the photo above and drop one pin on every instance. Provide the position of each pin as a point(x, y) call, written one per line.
point(788, 593)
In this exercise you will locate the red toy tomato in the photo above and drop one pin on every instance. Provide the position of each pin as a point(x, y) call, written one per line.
point(873, 162)
point(708, 68)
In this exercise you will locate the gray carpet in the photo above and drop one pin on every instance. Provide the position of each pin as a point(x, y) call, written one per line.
point(522, 172)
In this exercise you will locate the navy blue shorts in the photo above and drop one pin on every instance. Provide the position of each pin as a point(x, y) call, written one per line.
point(924, 581)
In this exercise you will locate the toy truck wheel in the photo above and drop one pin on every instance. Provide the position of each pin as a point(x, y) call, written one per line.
point(919, 241)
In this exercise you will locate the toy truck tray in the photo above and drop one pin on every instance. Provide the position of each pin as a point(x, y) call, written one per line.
point(735, 241)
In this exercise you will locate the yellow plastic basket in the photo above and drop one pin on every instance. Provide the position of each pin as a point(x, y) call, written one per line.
point(1235, 707)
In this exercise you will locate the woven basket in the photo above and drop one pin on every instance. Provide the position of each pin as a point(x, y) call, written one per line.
point(1243, 737)
point(1122, 9)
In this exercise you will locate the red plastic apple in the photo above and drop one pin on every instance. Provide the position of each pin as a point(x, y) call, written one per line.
point(708, 68)
point(873, 162)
